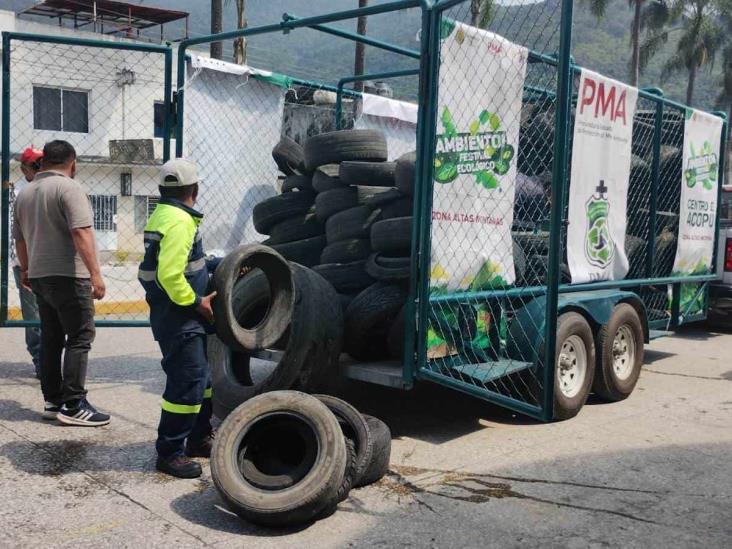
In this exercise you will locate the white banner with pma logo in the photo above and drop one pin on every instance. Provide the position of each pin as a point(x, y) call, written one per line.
point(479, 113)
point(598, 193)
point(699, 186)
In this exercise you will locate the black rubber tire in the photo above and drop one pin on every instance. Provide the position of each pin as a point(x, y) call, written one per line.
point(379, 200)
point(325, 178)
point(392, 236)
point(607, 385)
point(349, 224)
point(346, 251)
point(395, 339)
point(289, 157)
point(569, 324)
point(354, 428)
point(369, 318)
point(345, 277)
point(298, 227)
point(312, 346)
point(398, 208)
point(252, 425)
point(331, 202)
point(278, 208)
point(372, 174)
point(404, 173)
point(297, 183)
point(383, 267)
point(346, 300)
point(341, 146)
point(305, 252)
point(379, 464)
point(282, 295)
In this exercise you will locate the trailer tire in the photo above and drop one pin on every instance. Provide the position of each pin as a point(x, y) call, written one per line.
point(372, 174)
point(369, 318)
point(304, 252)
point(267, 434)
point(298, 227)
point(392, 236)
point(289, 156)
point(355, 429)
point(405, 173)
point(575, 365)
point(379, 464)
point(345, 277)
point(297, 183)
point(349, 224)
point(619, 354)
point(331, 202)
point(276, 209)
point(345, 145)
point(346, 251)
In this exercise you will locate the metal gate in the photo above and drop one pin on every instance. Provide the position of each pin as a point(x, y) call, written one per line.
point(111, 99)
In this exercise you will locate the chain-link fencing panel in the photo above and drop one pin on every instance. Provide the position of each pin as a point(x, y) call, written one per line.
point(110, 105)
point(491, 194)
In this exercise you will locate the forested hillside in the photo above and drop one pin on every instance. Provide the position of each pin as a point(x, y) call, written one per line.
point(602, 46)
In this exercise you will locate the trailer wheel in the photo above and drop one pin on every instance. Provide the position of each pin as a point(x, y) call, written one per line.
point(619, 354)
point(574, 365)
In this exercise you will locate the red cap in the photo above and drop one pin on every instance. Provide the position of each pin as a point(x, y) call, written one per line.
point(31, 155)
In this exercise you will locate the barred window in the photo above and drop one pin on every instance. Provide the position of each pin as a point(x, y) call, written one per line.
point(59, 109)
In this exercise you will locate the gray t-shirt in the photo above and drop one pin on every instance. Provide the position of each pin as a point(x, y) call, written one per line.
point(44, 215)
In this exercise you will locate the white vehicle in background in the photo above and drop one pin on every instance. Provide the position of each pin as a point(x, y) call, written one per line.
point(720, 291)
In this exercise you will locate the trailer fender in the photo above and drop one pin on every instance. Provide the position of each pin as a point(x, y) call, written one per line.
point(526, 329)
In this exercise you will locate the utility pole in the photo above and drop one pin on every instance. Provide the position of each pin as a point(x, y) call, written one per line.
point(217, 26)
point(359, 62)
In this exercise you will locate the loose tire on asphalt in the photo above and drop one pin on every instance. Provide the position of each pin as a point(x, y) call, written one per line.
point(620, 353)
point(341, 146)
point(275, 435)
point(379, 464)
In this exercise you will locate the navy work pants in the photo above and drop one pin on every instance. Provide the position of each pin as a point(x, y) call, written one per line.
point(186, 402)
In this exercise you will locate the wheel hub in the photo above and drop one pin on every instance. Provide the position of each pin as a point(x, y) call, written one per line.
point(623, 352)
point(572, 366)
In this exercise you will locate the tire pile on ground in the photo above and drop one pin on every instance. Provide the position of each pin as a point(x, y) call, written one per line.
point(286, 458)
point(346, 212)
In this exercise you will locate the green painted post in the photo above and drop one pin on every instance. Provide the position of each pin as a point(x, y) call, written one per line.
point(5, 239)
point(417, 306)
point(180, 99)
point(561, 161)
point(655, 180)
point(168, 90)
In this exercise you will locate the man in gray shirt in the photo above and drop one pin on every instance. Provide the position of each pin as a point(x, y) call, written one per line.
point(56, 249)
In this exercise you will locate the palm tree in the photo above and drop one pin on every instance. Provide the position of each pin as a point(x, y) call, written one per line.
point(217, 25)
point(359, 63)
point(240, 44)
point(643, 12)
point(481, 12)
point(697, 26)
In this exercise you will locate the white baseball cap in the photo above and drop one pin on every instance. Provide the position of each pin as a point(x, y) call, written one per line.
point(178, 172)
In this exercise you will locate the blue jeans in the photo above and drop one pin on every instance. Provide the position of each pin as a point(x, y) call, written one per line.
point(29, 310)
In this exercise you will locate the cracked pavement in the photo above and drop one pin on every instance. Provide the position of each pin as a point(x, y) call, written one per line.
point(653, 471)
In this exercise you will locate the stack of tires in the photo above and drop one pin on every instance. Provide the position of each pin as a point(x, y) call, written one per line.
point(286, 458)
point(346, 212)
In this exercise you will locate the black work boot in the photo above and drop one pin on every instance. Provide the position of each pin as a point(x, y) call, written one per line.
point(178, 466)
point(200, 449)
